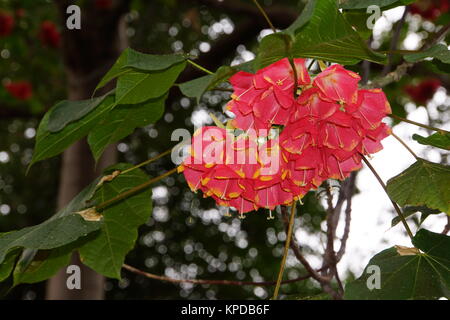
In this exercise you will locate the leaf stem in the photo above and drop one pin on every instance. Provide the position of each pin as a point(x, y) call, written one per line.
point(396, 207)
point(159, 156)
point(418, 124)
point(134, 190)
point(405, 145)
point(286, 251)
point(265, 16)
point(199, 67)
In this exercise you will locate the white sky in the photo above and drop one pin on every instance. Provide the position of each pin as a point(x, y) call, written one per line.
point(372, 211)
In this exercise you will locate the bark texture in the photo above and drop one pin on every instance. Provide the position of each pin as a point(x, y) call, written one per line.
point(88, 53)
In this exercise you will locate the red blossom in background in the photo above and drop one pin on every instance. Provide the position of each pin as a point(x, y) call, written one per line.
point(327, 129)
point(20, 13)
point(21, 90)
point(6, 24)
point(430, 9)
point(49, 34)
point(424, 91)
point(103, 4)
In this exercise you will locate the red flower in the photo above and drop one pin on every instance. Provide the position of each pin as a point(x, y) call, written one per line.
point(430, 9)
point(333, 124)
point(6, 24)
point(265, 98)
point(424, 91)
point(326, 131)
point(49, 34)
point(103, 4)
point(21, 90)
point(236, 171)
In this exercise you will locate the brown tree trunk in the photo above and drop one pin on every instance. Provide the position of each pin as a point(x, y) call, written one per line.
point(88, 53)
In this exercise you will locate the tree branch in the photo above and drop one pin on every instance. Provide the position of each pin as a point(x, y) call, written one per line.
point(295, 248)
point(202, 281)
point(402, 69)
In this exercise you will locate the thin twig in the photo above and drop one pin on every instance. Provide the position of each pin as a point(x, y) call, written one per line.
point(396, 207)
point(295, 248)
point(286, 250)
point(447, 226)
point(199, 67)
point(404, 144)
point(134, 190)
point(402, 69)
point(394, 41)
point(348, 210)
point(265, 15)
point(215, 282)
point(418, 124)
point(330, 255)
point(159, 156)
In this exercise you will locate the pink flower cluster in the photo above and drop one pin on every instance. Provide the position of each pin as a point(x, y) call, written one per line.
point(326, 128)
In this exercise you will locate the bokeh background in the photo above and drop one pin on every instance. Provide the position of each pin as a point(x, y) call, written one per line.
point(187, 236)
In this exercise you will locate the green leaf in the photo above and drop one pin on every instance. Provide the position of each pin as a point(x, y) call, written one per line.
point(302, 19)
point(362, 4)
point(418, 276)
point(437, 66)
point(438, 51)
point(271, 49)
point(221, 75)
point(43, 265)
point(137, 87)
point(130, 59)
point(122, 121)
point(438, 140)
point(410, 210)
point(328, 36)
point(77, 203)
point(50, 234)
point(132, 88)
point(321, 296)
point(49, 144)
point(151, 62)
point(116, 70)
point(358, 20)
point(423, 183)
point(197, 87)
point(106, 252)
point(67, 111)
point(8, 264)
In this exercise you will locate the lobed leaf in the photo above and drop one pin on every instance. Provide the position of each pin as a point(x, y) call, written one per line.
point(438, 140)
point(323, 33)
point(423, 183)
point(410, 210)
point(106, 251)
point(362, 4)
point(328, 36)
point(424, 275)
point(438, 51)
